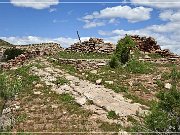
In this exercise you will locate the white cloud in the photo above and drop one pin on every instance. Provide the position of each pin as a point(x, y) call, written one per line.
point(64, 41)
point(91, 24)
point(170, 15)
point(131, 14)
point(158, 3)
point(36, 4)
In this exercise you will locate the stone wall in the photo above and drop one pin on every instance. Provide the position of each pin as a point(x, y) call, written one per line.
point(95, 45)
point(84, 64)
point(31, 51)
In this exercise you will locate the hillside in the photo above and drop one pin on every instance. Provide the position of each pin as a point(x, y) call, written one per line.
point(4, 43)
point(77, 90)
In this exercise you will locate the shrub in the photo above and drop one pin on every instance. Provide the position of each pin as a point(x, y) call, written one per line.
point(165, 114)
point(112, 115)
point(123, 49)
point(12, 53)
point(135, 66)
point(113, 62)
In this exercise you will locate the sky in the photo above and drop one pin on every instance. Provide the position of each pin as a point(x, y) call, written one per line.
point(36, 21)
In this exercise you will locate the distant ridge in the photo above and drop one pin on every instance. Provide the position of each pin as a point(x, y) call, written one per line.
point(5, 43)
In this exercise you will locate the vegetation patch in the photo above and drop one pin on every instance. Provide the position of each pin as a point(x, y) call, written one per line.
point(61, 81)
point(112, 115)
point(12, 53)
point(135, 67)
point(79, 55)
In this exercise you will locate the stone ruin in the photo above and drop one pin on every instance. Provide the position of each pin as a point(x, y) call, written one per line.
point(95, 45)
point(149, 44)
point(31, 51)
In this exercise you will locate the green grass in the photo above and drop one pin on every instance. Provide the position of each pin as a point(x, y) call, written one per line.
point(111, 127)
point(65, 97)
point(160, 84)
point(135, 67)
point(78, 55)
point(155, 55)
point(112, 115)
point(61, 81)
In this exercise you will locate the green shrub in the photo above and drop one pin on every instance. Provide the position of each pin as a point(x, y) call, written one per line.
point(135, 66)
point(61, 81)
point(123, 48)
point(165, 114)
point(12, 53)
point(112, 115)
point(65, 97)
point(113, 62)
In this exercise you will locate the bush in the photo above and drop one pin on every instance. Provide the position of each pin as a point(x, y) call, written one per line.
point(112, 115)
point(12, 53)
point(113, 62)
point(135, 66)
point(165, 114)
point(123, 48)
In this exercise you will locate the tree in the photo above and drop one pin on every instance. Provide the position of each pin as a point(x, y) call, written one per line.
point(123, 48)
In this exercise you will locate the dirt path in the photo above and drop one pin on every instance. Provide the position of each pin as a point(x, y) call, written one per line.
point(102, 99)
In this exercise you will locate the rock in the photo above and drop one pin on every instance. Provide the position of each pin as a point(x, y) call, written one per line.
point(38, 86)
point(37, 92)
point(54, 106)
point(168, 86)
point(93, 71)
point(81, 100)
point(98, 81)
point(147, 57)
point(109, 82)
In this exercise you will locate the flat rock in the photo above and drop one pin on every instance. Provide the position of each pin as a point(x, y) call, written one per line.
point(168, 86)
point(98, 81)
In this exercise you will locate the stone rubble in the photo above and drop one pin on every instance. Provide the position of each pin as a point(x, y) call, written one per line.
point(95, 45)
point(149, 44)
point(31, 51)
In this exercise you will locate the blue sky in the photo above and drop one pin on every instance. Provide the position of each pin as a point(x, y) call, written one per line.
point(24, 21)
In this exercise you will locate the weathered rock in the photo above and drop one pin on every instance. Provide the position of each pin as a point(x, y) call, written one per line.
point(38, 86)
point(98, 81)
point(168, 86)
point(93, 71)
point(37, 92)
point(109, 82)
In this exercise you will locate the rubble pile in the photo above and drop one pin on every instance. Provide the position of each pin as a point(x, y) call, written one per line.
point(95, 45)
point(149, 44)
point(43, 48)
point(31, 51)
point(145, 44)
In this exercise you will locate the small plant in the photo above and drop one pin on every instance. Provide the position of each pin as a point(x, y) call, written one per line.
point(113, 62)
point(65, 97)
point(112, 115)
point(160, 83)
point(61, 81)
